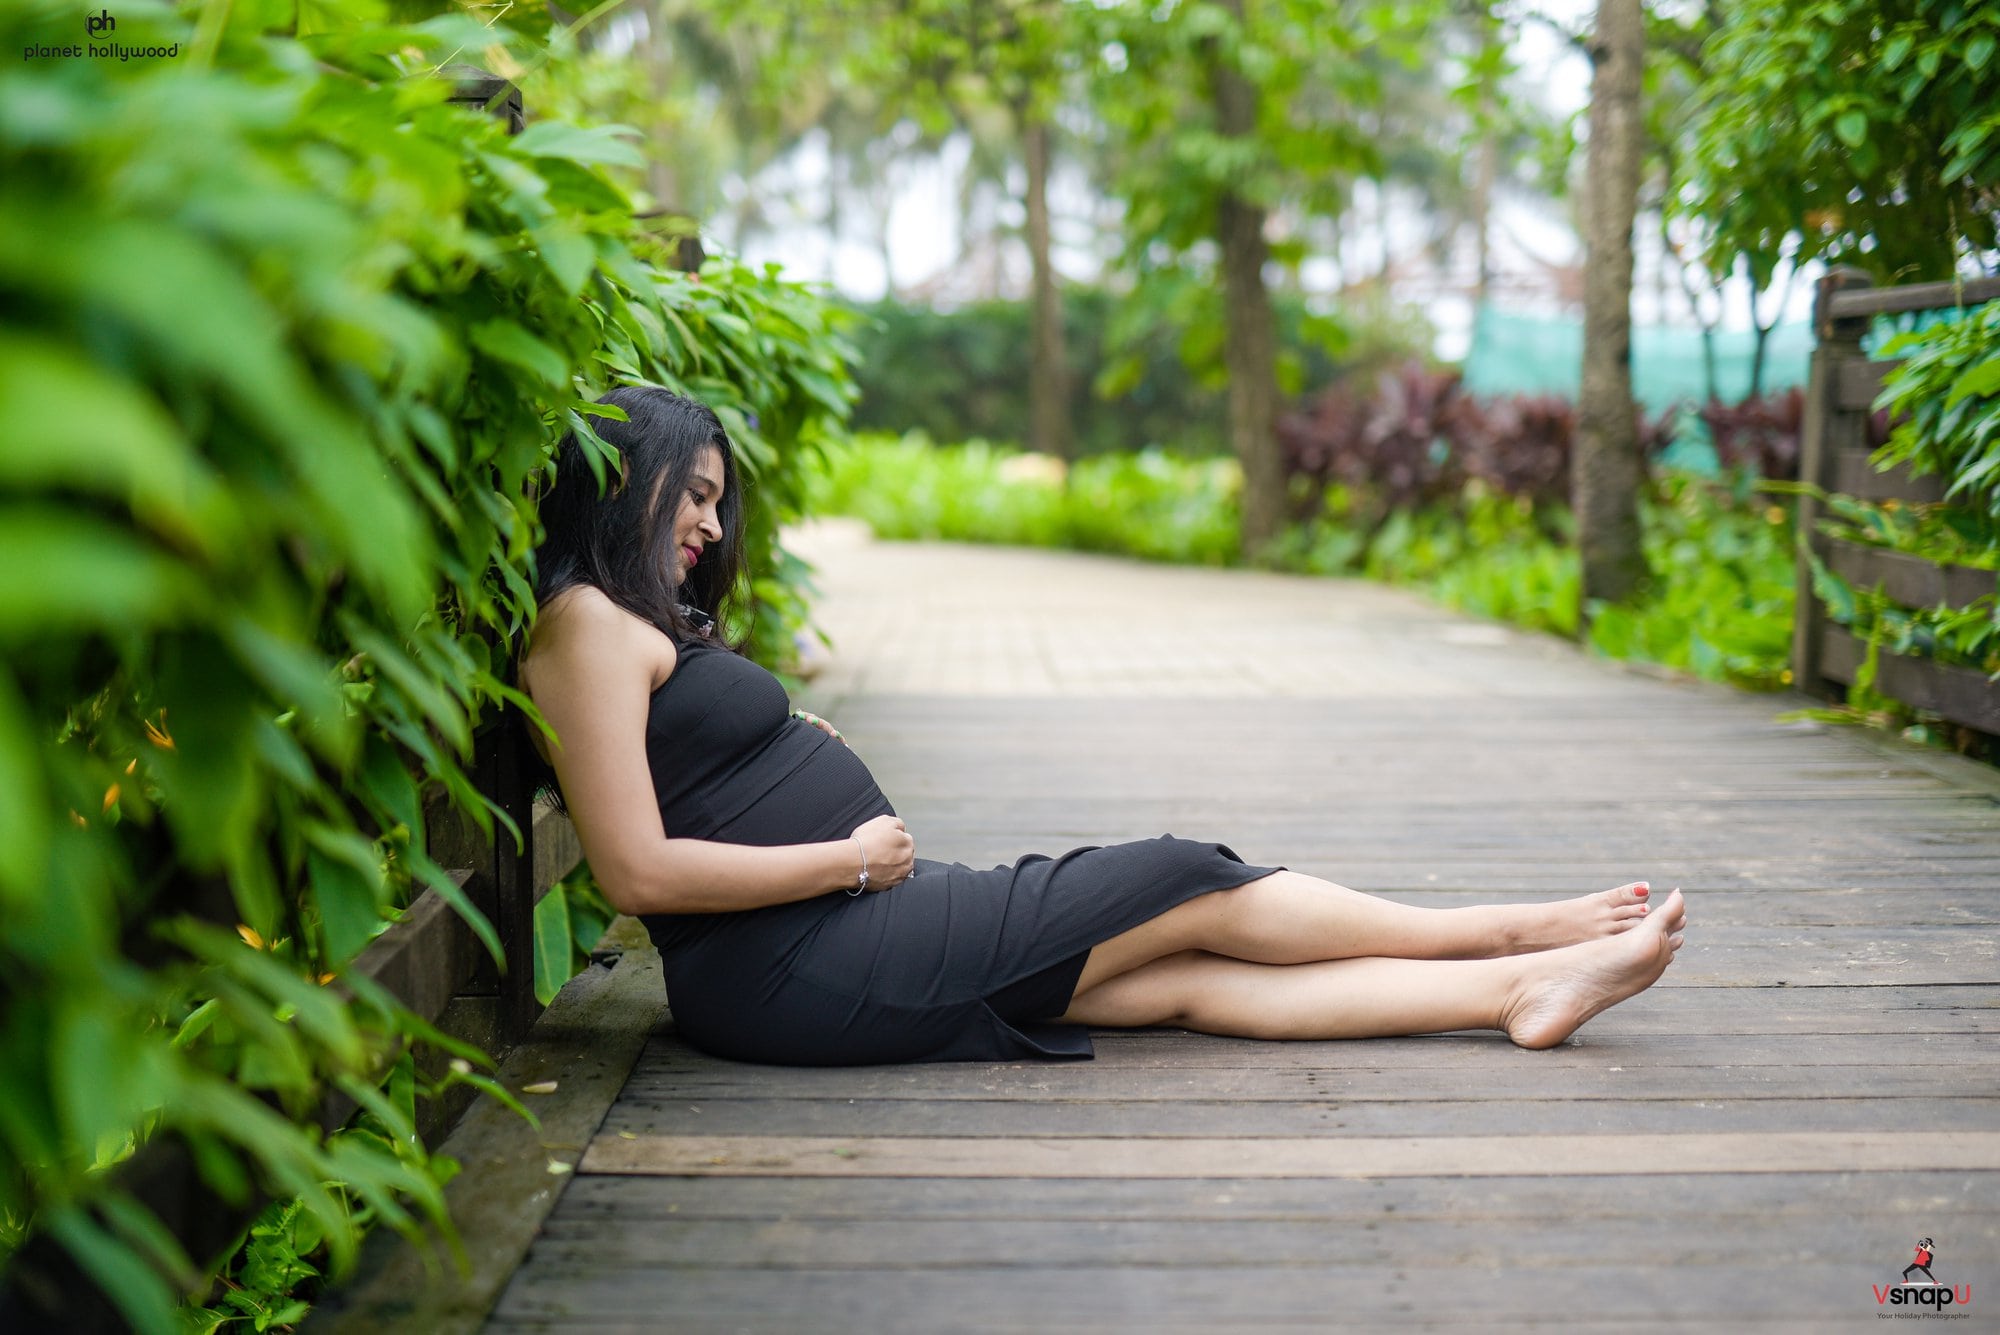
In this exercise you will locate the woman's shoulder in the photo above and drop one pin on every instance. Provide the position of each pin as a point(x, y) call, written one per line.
point(582, 625)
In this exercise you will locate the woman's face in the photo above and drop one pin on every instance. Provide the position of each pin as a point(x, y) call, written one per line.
point(696, 521)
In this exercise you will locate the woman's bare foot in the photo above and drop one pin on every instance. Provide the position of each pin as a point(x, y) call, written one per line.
point(1531, 927)
point(1563, 988)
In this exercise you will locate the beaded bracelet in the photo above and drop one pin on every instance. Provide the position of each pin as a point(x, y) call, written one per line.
point(814, 719)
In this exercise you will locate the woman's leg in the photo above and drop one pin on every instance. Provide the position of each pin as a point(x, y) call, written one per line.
point(1291, 918)
point(1539, 999)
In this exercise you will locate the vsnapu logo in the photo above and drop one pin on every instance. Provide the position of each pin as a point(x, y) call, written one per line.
point(1925, 1292)
point(100, 23)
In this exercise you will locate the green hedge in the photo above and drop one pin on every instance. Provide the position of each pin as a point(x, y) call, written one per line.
point(287, 344)
point(964, 374)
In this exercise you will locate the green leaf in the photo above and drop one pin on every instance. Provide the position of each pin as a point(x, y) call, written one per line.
point(68, 572)
point(1983, 379)
point(552, 944)
point(103, 1083)
point(124, 446)
point(576, 143)
point(25, 820)
point(510, 343)
point(1852, 127)
point(1978, 51)
point(118, 1269)
point(347, 885)
point(569, 254)
point(437, 878)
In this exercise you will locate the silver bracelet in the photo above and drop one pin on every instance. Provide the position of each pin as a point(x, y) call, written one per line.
point(856, 891)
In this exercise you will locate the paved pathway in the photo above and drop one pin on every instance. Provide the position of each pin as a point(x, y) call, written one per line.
point(1758, 1141)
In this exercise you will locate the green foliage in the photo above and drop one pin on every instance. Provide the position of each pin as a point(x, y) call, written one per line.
point(1865, 128)
point(1946, 396)
point(1147, 504)
point(1316, 73)
point(1152, 505)
point(283, 1258)
point(964, 373)
point(1492, 557)
point(1722, 600)
point(287, 344)
point(569, 921)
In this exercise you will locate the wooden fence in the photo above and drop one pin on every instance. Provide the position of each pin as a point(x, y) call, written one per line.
point(1840, 399)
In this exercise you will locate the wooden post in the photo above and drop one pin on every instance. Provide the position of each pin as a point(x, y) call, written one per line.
point(514, 876)
point(1825, 430)
point(474, 87)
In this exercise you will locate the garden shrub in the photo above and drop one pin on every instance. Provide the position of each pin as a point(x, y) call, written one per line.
point(1410, 437)
point(287, 344)
point(964, 374)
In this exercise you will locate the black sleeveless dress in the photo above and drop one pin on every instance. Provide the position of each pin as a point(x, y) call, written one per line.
point(954, 964)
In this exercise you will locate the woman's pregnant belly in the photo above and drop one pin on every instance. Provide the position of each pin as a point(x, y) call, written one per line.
point(820, 791)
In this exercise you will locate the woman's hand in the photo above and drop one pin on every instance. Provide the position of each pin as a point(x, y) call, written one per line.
point(821, 724)
point(892, 853)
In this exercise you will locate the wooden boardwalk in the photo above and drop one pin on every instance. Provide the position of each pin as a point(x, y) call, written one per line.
point(1758, 1141)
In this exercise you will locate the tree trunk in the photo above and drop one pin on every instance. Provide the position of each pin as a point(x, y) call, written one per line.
point(1249, 330)
point(1048, 380)
point(657, 52)
point(1760, 335)
point(1606, 471)
point(1482, 217)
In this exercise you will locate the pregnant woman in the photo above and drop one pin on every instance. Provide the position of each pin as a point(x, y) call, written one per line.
point(795, 921)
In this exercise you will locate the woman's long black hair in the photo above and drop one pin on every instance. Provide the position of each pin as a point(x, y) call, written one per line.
point(620, 537)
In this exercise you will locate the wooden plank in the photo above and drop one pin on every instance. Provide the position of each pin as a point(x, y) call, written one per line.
point(594, 1198)
point(1673, 1288)
point(556, 849)
point(1854, 475)
point(788, 1243)
point(700, 1113)
point(1621, 1074)
point(1300, 1157)
point(669, 1065)
point(1908, 580)
point(1958, 694)
point(1857, 381)
point(1911, 297)
point(426, 956)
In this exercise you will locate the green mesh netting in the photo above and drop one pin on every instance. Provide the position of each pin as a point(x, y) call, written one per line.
point(1526, 354)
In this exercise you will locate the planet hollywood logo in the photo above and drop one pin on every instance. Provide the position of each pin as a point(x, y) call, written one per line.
point(1927, 1292)
point(100, 34)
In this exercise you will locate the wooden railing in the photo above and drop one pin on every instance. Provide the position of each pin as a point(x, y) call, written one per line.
point(1826, 657)
point(432, 963)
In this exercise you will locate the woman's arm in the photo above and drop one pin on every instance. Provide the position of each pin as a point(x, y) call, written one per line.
point(591, 670)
